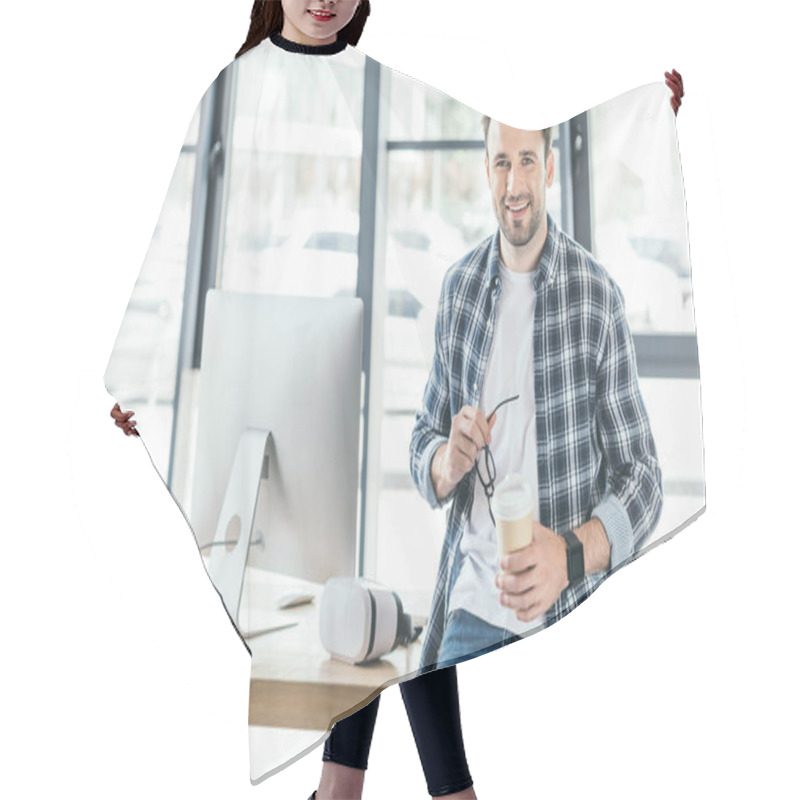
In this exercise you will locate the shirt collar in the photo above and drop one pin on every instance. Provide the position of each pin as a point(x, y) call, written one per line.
point(546, 267)
point(309, 49)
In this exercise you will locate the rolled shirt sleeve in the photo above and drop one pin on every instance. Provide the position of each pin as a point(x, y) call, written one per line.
point(433, 420)
point(426, 479)
point(630, 509)
point(617, 525)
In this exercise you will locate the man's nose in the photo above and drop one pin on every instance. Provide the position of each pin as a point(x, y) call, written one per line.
point(511, 181)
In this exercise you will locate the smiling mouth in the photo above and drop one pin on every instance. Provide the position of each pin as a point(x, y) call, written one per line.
point(321, 15)
point(519, 207)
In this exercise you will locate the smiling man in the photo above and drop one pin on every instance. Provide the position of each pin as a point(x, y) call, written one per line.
point(529, 312)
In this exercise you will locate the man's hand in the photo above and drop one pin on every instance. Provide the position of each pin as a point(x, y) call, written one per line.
point(534, 577)
point(469, 432)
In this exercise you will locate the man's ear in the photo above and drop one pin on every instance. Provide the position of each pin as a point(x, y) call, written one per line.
point(551, 168)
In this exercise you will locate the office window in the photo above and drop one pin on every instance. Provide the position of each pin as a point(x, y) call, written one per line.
point(438, 209)
point(291, 222)
point(641, 237)
point(142, 370)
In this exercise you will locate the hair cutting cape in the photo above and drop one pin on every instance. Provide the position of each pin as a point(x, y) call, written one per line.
point(318, 304)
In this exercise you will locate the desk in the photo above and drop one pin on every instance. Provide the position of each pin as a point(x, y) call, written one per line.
point(294, 682)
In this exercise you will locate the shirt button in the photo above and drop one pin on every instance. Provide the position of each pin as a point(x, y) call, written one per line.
point(475, 386)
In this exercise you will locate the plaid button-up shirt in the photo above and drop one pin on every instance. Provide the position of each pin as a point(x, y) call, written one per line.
point(595, 452)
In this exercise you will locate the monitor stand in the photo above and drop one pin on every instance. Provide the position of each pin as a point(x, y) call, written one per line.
point(227, 562)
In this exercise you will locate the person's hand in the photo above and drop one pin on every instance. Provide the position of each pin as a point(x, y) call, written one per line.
point(124, 420)
point(469, 432)
point(675, 82)
point(534, 576)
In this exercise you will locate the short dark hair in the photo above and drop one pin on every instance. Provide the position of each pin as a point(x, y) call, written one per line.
point(546, 132)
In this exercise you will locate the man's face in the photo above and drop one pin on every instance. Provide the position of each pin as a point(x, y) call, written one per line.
point(518, 175)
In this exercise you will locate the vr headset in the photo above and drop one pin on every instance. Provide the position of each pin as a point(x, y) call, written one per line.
point(359, 621)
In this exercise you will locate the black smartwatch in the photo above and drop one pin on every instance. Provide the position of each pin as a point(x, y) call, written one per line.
point(575, 567)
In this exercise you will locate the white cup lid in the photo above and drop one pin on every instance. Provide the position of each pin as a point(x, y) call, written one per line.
point(513, 498)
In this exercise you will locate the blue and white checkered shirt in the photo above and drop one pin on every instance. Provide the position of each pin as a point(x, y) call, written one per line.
point(595, 452)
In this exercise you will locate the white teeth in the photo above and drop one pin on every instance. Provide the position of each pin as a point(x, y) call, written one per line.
point(517, 208)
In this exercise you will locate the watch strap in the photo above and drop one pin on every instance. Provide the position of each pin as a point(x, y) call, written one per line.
point(575, 565)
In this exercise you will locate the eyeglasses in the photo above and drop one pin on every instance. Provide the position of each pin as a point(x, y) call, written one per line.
point(489, 474)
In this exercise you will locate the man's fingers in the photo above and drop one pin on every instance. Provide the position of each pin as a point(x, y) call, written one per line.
point(517, 583)
point(483, 425)
point(474, 425)
point(463, 461)
point(467, 444)
point(524, 602)
point(519, 560)
point(531, 612)
point(463, 444)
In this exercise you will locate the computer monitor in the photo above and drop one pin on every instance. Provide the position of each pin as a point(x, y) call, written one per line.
point(291, 367)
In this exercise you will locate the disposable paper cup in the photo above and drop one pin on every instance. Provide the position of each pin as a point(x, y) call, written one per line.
point(512, 506)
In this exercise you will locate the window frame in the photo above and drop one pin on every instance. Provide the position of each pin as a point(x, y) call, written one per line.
point(658, 355)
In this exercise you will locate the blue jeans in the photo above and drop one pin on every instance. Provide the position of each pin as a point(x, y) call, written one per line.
point(466, 636)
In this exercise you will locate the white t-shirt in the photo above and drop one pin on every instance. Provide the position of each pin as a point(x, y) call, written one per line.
point(509, 371)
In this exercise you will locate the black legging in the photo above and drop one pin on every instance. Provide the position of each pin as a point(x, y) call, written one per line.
point(432, 706)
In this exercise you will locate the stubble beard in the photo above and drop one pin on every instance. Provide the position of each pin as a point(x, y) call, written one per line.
point(518, 234)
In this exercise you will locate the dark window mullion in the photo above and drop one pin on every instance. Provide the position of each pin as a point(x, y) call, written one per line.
point(564, 153)
point(580, 184)
point(367, 205)
point(204, 230)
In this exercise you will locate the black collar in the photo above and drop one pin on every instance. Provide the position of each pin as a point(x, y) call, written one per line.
point(308, 49)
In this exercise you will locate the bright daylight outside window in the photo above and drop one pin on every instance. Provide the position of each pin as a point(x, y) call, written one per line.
point(146, 350)
point(641, 239)
point(438, 209)
point(291, 226)
point(292, 222)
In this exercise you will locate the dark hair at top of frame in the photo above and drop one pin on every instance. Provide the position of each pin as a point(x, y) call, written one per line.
point(266, 19)
point(546, 132)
